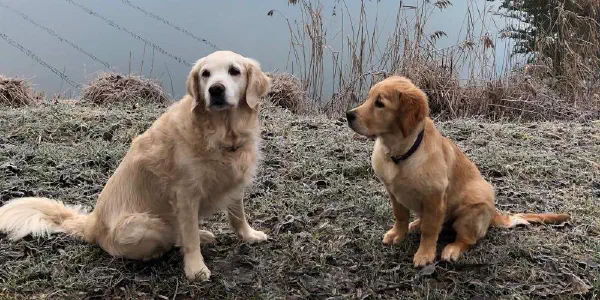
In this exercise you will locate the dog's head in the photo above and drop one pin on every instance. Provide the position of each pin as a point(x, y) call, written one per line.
point(225, 80)
point(393, 105)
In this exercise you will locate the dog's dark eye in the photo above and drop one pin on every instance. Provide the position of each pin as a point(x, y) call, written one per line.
point(233, 71)
point(205, 73)
point(378, 103)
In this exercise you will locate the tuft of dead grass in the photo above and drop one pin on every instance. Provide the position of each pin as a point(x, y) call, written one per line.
point(287, 92)
point(16, 92)
point(110, 88)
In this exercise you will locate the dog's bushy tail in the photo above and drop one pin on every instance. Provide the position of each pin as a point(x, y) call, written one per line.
point(510, 221)
point(41, 217)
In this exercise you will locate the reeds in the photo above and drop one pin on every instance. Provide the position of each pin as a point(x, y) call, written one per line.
point(461, 80)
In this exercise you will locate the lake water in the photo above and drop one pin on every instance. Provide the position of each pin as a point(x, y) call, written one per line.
point(61, 44)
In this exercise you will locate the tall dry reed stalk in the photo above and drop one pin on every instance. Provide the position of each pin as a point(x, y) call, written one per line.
point(359, 56)
point(567, 52)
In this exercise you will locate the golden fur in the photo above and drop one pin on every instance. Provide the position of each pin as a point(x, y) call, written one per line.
point(193, 161)
point(437, 182)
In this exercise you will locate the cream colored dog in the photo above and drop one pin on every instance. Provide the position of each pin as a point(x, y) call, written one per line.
point(197, 158)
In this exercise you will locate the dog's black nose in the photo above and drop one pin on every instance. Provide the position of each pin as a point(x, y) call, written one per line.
point(350, 116)
point(216, 89)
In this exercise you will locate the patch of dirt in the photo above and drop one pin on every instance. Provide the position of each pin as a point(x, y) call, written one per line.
point(317, 198)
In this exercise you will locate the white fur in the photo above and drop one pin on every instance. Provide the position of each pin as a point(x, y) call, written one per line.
point(218, 67)
point(516, 220)
point(38, 217)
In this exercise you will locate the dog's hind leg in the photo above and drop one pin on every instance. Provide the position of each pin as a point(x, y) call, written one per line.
point(138, 236)
point(470, 225)
point(414, 225)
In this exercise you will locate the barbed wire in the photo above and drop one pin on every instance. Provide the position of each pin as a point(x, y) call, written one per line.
point(40, 61)
point(54, 34)
point(161, 19)
point(115, 25)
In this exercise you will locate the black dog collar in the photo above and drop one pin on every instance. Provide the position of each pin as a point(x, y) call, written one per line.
point(415, 146)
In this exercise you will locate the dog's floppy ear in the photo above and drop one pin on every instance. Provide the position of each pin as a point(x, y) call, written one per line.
point(414, 107)
point(193, 84)
point(258, 83)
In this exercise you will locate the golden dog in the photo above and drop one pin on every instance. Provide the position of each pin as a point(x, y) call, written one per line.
point(426, 173)
point(197, 158)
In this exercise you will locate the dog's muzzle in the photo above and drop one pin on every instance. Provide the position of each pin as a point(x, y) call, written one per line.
point(351, 117)
point(217, 96)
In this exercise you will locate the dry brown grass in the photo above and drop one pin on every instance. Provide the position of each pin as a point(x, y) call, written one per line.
point(568, 47)
point(358, 61)
point(287, 92)
point(514, 96)
point(110, 88)
point(16, 92)
point(564, 53)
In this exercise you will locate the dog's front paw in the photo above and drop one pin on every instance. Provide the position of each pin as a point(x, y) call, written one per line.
point(197, 271)
point(424, 257)
point(253, 236)
point(393, 236)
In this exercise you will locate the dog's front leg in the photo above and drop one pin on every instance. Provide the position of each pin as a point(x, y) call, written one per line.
point(432, 220)
point(187, 217)
point(402, 215)
point(237, 219)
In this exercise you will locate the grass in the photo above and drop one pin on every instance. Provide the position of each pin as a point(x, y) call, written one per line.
point(317, 198)
point(315, 194)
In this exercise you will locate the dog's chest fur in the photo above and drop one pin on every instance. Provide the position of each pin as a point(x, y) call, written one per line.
point(227, 179)
point(407, 181)
point(227, 169)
